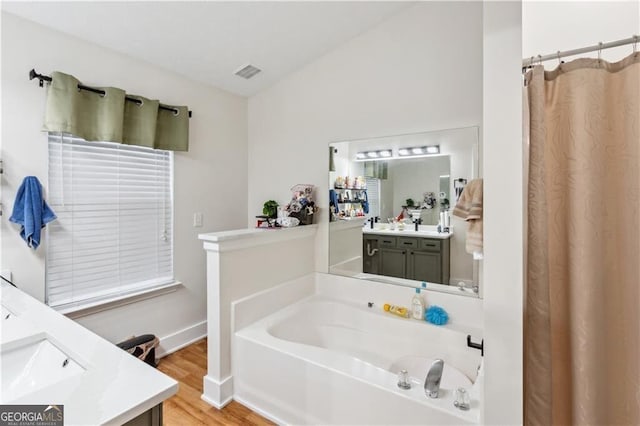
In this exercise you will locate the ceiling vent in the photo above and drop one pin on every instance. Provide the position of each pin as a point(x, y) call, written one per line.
point(248, 71)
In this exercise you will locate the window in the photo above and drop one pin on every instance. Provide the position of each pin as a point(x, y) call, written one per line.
point(373, 196)
point(114, 233)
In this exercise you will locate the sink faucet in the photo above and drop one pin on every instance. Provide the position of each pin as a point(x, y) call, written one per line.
point(432, 381)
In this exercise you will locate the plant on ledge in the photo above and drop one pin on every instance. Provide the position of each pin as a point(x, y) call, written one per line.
point(270, 209)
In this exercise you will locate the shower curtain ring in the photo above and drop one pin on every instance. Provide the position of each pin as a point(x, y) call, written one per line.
point(600, 44)
point(636, 38)
point(539, 59)
point(559, 60)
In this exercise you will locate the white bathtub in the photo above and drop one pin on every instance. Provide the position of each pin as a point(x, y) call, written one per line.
point(325, 361)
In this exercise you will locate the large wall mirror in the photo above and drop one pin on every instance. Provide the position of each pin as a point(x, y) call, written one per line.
point(391, 200)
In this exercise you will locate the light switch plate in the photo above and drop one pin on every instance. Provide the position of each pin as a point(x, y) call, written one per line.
point(197, 220)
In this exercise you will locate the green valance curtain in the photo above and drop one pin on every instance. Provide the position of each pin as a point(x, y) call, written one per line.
point(111, 118)
point(376, 169)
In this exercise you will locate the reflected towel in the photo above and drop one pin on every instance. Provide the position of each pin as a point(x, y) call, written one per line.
point(333, 200)
point(31, 211)
point(365, 202)
point(469, 208)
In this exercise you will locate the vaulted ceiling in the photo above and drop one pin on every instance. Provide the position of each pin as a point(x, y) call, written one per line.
point(210, 41)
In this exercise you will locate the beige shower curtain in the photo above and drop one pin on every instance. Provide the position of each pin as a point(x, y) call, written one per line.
point(582, 321)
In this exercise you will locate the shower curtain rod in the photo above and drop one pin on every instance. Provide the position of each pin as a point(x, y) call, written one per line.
point(529, 62)
point(41, 77)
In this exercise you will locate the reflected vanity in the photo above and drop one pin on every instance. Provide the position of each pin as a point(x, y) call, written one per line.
point(391, 199)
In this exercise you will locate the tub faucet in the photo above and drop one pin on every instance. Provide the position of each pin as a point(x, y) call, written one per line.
point(432, 381)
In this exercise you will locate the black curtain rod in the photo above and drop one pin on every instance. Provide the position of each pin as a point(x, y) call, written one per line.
point(33, 74)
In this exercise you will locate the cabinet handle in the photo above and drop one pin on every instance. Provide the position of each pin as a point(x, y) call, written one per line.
point(430, 245)
point(408, 243)
point(404, 252)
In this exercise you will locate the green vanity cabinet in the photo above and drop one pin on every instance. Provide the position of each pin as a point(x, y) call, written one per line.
point(371, 254)
point(424, 266)
point(393, 262)
point(415, 258)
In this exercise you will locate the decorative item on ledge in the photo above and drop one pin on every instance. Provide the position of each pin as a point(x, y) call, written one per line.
point(269, 215)
point(302, 206)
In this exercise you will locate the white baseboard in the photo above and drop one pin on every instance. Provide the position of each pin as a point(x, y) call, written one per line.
point(217, 392)
point(180, 339)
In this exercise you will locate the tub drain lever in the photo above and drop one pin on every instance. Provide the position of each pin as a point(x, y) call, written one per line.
point(479, 346)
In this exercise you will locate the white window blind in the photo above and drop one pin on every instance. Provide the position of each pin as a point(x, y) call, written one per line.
point(114, 233)
point(373, 196)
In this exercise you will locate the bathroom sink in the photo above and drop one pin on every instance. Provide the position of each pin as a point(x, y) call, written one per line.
point(30, 365)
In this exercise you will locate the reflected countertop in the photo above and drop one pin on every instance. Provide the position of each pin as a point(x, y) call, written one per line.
point(424, 231)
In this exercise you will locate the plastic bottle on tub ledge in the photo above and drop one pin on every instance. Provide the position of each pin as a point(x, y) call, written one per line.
point(417, 306)
point(401, 311)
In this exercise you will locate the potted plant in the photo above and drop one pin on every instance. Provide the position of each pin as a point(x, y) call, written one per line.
point(270, 209)
point(410, 202)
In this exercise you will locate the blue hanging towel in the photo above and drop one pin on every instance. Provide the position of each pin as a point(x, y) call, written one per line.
point(31, 211)
point(333, 200)
point(365, 202)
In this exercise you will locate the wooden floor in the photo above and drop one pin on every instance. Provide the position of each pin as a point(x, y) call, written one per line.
point(188, 366)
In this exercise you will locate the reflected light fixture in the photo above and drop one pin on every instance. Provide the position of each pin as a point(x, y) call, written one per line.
point(419, 151)
point(374, 155)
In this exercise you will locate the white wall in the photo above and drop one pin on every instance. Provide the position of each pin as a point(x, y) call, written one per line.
point(419, 70)
point(564, 25)
point(211, 178)
point(503, 213)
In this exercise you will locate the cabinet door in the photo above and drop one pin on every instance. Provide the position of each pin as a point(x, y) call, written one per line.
point(393, 262)
point(425, 266)
point(370, 255)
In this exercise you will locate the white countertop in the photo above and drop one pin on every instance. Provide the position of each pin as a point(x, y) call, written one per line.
point(409, 231)
point(114, 387)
